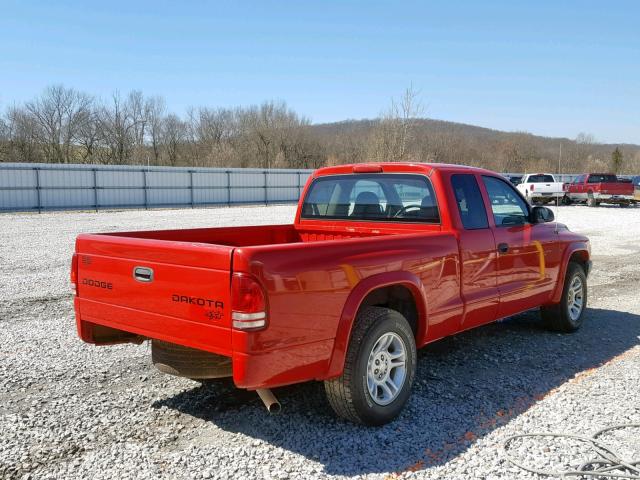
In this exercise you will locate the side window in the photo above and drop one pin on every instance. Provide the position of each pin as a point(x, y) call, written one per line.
point(507, 206)
point(469, 200)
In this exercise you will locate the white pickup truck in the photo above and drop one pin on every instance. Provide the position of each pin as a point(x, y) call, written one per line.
point(541, 188)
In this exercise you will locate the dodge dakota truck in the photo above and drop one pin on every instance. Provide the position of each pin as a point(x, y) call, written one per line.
point(541, 188)
point(380, 260)
point(596, 188)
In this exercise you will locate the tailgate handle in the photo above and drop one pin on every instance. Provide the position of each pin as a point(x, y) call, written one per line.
point(143, 274)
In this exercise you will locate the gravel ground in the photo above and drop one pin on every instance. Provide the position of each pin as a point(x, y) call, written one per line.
point(70, 410)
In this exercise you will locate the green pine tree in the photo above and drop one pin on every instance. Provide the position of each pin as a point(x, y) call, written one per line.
point(616, 160)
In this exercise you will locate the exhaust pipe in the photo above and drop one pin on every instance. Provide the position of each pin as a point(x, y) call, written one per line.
point(269, 400)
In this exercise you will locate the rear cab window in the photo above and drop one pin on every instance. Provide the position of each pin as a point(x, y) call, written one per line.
point(541, 178)
point(372, 197)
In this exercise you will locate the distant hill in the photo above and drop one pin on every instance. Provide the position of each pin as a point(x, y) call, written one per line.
point(451, 142)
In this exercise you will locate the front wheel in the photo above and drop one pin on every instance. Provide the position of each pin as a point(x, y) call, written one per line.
point(379, 369)
point(567, 315)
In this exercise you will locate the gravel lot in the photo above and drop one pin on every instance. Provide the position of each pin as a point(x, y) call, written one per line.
point(70, 410)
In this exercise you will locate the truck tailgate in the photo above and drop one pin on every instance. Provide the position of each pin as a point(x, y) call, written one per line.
point(547, 187)
point(173, 291)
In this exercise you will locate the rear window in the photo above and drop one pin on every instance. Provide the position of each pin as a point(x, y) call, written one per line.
point(541, 179)
point(372, 197)
point(604, 178)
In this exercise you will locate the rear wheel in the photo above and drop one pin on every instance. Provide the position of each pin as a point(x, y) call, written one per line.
point(379, 369)
point(567, 315)
point(566, 200)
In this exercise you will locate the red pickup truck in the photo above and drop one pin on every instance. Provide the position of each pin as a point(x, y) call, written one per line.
point(381, 259)
point(596, 188)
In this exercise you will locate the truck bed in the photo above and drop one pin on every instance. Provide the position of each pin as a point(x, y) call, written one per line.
point(614, 188)
point(189, 302)
point(252, 235)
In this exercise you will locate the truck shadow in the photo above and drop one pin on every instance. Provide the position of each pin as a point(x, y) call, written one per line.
point(466, 386)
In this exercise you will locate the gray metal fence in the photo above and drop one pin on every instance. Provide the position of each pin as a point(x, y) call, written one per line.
point(40, 187)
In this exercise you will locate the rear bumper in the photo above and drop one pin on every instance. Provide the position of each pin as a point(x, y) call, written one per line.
point(251, 370)
point(611, 197)
point(546, 194)
point(211, 338)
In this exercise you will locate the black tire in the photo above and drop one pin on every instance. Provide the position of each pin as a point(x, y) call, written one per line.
point(557, 317)
point(624, 204)
point(348, 394)
point(566, 200)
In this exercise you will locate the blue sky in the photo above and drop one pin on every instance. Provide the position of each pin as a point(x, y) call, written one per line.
point(554, 68)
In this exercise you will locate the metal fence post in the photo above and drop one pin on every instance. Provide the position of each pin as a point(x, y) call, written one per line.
point(266, 193)
point(191, 186)
point(95, 189)
point(37, 170)
point(144, 186)
point(299, 184)
point(228, 172)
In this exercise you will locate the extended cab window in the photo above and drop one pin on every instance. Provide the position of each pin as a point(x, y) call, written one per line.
point(372, 197)
point(508, 207)
point(469, 200)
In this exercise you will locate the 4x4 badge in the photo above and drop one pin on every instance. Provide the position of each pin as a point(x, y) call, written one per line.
point(213, 315)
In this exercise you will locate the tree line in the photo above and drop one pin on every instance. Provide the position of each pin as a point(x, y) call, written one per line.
point(64, 125)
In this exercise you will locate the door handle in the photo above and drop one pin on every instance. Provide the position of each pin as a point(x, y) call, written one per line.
point(143, 274)
point(503, 248)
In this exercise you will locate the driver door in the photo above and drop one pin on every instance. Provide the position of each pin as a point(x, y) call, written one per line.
point(527, 253)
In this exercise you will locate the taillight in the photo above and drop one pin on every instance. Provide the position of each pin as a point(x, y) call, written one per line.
point(74, 274)
point(248, 303)
point(531, 187)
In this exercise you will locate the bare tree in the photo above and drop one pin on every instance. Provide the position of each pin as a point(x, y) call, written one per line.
point(24, 140)
point(58, 115)
point(393, 133)
point(117, 130)
point(88, 136)
point(174, 134)
point(155, 110)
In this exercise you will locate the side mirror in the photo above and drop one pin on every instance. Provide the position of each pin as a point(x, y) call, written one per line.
point(542, 215)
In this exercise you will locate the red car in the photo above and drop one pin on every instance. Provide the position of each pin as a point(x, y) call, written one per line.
point(596, 188)
point(381, 259)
